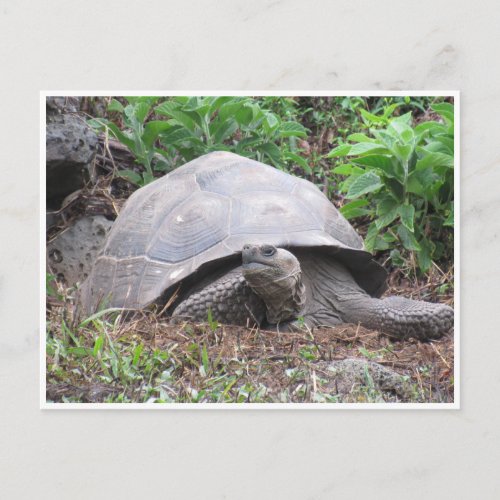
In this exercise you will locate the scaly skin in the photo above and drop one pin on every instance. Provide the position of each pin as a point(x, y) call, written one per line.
point(275, 287)
point(230, 300)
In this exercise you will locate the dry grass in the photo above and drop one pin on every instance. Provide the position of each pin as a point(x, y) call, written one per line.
point(220, 364)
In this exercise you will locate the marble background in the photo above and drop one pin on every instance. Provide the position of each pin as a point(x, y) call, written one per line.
point(240, 45)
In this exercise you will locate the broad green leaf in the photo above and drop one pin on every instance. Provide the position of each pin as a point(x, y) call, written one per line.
point(397, 258)
point(162, 164)
point(148, 99)
point(435, 160)
point(401, 130)
point(357, 137)
point(292, 129)
point(387, 211)
point(389, 237)
point(424, 257)
point(343, 169)
point(385, 204)
point(366, 147)
point(271, 122)
point(299, 160)
point(200, 106)
point(339, 151)
point(426, 177)
point(370, 118)
point(224, 130)
point(390, 109)
point(193, 103)
point(244, 116)
point(408, 238)
point(434, 146)
point(121, 136)
point(175, 134)
point(447, 143)
point(412, 161)
point(181, 99)
point(129, 111)
point(365, 183)
point(115, 105)
point(344, 185)
point(103, 124)
point(382, 162)
point(170, 109)
point(130, 176)
point(131, 99)
point(384, 139)
point(218, 102)
point(153, 129)
point(446, 110)
point(395, 188)
point(414, 184)
point(218, 146)
point(98, 123)
point(356, 204)
point(141, 110)
point(405, 119)
point(230, 108)
point(271, 151)
point(355, 209)
point(433, 128)
point(248, 142)
point(407, 215)
point(402, 151)
point(381, 243)
point(147, 178)
point(371, 237)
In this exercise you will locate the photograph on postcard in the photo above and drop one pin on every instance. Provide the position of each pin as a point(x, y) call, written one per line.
point(249, 250)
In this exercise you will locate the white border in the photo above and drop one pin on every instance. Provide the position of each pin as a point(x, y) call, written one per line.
point(252, 406)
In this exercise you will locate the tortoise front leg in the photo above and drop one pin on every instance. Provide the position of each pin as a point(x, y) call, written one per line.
point(230, 300)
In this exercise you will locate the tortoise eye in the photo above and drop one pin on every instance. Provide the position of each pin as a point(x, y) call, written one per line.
point(268, 250)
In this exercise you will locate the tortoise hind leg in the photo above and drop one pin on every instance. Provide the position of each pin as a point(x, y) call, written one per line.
point(335, 292)
point(230, 300)
point(409, 318)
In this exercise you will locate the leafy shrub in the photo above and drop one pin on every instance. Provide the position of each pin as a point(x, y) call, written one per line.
point(405, 175)
point(164, 132)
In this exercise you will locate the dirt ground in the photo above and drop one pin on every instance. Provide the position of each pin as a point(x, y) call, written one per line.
point(221, 363)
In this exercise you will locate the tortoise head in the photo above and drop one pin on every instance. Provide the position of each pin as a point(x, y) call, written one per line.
point(274, 274)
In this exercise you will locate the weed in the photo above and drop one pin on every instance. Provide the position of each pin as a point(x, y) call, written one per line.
point(405, 175)
point(163, 132)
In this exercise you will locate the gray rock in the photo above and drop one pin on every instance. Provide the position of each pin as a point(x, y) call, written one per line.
point(71, 255)
point(71, 148)
point(56, 105)
point(357, 380)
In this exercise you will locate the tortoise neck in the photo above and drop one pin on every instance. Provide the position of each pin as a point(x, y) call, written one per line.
point(284, 297)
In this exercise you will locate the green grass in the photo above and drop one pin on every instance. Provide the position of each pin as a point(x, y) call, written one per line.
point(146, 360)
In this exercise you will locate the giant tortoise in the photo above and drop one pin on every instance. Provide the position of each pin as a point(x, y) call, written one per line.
point(247, 243)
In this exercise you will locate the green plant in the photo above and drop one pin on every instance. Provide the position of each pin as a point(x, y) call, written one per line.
point(405, 175)
point(212, 323)
point(137, 135)
point(163, 132)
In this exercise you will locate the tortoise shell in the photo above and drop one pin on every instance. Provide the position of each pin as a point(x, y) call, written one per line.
point(205, 211)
